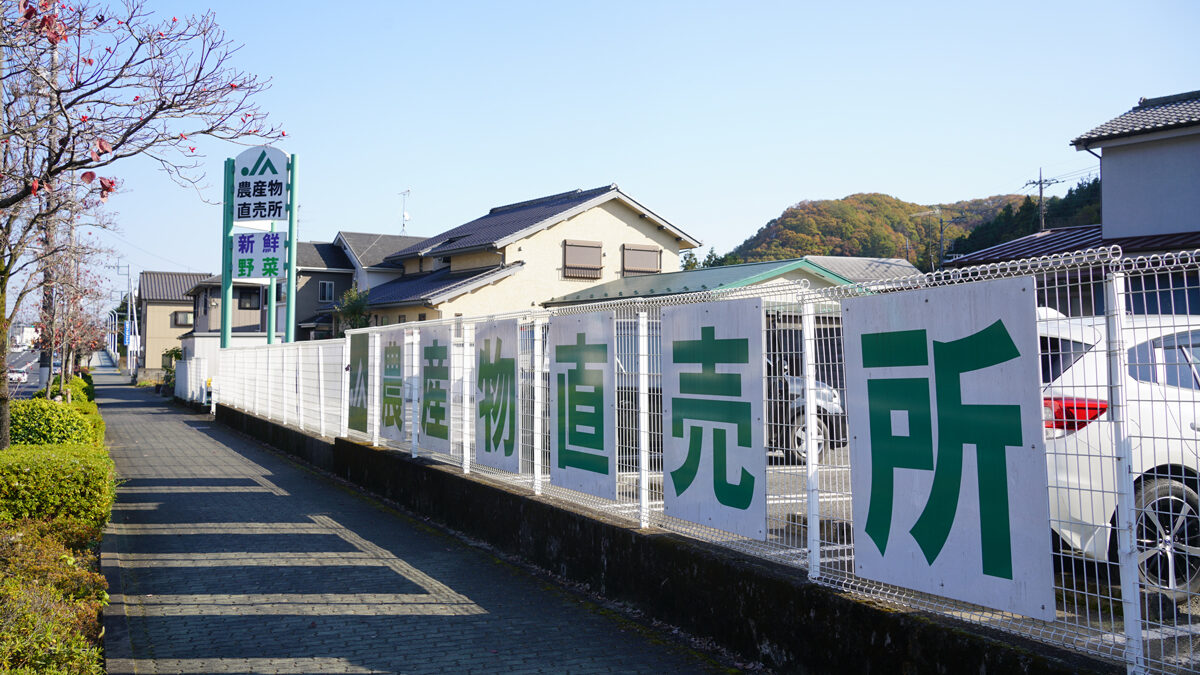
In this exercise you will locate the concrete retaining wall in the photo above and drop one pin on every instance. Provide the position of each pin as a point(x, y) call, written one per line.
point(763, 610)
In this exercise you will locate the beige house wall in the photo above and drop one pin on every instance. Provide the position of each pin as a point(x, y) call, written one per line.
point(474, 261)
point(612, 224)
point(157, 330)
point(243, 319)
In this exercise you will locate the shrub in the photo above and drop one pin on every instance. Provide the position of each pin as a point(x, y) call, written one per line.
point(91, 413)
point(80, 389)
point(54, 481)
point(50, 601)
point(37, 421)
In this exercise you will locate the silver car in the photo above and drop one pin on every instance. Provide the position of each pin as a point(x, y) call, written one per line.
point(1162, 392)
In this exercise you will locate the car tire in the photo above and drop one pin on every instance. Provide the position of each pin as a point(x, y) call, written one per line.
point(796, 453)
point(1167, 537)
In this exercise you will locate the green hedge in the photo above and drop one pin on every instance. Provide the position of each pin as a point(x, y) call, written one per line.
point(54, 481)
point(81, 389)
point(50, 601)
point(37, 421)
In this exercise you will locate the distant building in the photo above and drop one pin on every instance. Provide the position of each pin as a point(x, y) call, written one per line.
point(164, 313)
point(1149, 169)
point(21, 337)
point(520, 255)
point(816, 271)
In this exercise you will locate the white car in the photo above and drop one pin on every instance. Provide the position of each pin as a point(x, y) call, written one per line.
point(1162, 393)
point(19, 376)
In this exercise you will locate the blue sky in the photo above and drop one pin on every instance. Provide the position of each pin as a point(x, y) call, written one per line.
point(717, 116)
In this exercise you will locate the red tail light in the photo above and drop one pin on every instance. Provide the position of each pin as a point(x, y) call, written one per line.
point(1071, 414)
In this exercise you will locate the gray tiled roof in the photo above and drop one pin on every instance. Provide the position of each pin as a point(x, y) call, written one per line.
point(427, 287)
point(167, 286)
point(1150, 114)
point(503, 221)
point(1069, 239)
point(322, 254)
point(371, 248)
point(861, 270)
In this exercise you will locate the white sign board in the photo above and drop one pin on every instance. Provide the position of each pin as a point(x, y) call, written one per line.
point(259, 255)
point(391, 386)
point(583, 404)
point(260, 185)
point(435, 415)
point(714, 457)
point(949, 468)
point(497, 391)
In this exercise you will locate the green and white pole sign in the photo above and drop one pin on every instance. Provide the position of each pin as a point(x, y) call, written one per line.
point(260, 189)
point(947, 461)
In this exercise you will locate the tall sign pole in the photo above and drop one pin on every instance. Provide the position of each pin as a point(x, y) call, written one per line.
point(290, 329)
point(259, 187)
point(227, 257)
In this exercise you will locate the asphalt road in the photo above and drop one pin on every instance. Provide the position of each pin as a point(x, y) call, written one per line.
point(27, 361)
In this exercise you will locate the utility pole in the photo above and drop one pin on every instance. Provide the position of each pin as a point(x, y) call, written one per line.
point(1041, 184)
point(935, 211)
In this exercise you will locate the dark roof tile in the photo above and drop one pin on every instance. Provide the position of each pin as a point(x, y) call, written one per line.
point(322, 255)
point(371, 248)
point(414, 289)
point(1149, 115)
point(503, 221)
point(167, 286)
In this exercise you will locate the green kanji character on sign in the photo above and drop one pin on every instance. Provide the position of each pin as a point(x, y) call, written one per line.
point(393, 387)
point(498, 406)
point(434, 377)
point(902, 438)
point(716, 399)
point(581, 406)
point(270, 267)
point(245, 267)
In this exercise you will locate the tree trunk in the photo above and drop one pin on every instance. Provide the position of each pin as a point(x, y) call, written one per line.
point(5, 408)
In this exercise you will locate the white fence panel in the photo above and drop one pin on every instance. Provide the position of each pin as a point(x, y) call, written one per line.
point(1119, 351)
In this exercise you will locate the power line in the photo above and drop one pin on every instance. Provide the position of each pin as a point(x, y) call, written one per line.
point(151, 253)
point(1041, 184)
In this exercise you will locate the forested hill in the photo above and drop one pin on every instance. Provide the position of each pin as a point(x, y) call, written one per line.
point(869, 224)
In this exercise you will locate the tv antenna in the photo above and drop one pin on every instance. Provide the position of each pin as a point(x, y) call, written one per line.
point(404, 217)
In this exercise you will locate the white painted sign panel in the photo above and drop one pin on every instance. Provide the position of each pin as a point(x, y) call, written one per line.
point(948, 465)
point(260, 185)
point(497, 392)
point(259, 255)
point(391, 387)
point(714, 457)
point(435, 416)
point(583, 439)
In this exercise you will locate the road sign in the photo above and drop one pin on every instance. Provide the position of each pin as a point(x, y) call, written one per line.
point(260, 185)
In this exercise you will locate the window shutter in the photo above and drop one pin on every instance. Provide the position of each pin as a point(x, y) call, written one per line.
point(638, 259)
point(582, 259)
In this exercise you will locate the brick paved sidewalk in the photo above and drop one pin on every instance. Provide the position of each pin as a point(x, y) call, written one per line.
point(225, 558)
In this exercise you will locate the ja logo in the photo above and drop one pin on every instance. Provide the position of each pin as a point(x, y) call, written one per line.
point(901, 438)
point(261, 166)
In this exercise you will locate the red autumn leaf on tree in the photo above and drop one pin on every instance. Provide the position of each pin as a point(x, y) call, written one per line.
point(103, 146)
point(35, 186)
point(87, 177)
point(84, 118)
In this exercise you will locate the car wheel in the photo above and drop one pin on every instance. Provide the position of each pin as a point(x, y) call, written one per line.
point(1167, 531)
point(797, 453)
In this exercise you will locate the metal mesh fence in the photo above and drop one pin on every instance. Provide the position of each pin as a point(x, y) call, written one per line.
point(1119, 343)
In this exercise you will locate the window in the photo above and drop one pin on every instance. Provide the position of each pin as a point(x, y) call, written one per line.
point(582, 259)
point(421, 316)
point(1058, 354)
point(383, 320)
point(403, 318)
point(182, 319)
point(249, 298)
point(325, 292)
point(636, 259)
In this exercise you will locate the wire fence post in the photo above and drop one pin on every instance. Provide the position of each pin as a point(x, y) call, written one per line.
point(1131, 604)
point(643, 394)
point(343, 398)
point(538, 401)
point(414, 387)
point(300, 386)
point(466, 389)
point(321, 390)
point(812, 450)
